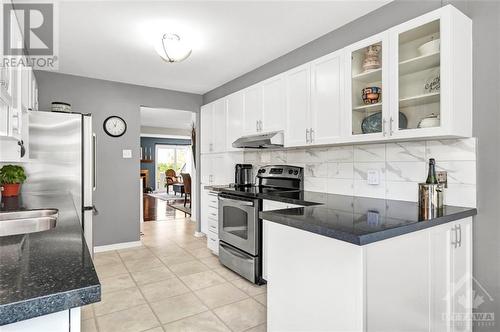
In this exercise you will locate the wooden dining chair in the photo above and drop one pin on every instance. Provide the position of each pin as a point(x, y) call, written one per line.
point(171, 178)
point(186, 179)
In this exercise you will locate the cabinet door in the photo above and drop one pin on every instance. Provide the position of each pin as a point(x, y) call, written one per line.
point(326, 99)
point(4, 117)
point(367, 92)
point(462, 277)
point(219, 125)
point(207, 124)
point(235, 114)
point(274, 104)
point(298, 97)
point(221, 170)
point(416, 77)
point(253, 109)
point(204, 211)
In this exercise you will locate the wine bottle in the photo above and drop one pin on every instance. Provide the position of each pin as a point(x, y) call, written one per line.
point(431, 177)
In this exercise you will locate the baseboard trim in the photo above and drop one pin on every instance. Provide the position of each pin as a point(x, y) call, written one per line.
point(199, 234)
point(118, 246)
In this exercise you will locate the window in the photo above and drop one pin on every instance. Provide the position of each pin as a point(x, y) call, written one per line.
point(174, 157)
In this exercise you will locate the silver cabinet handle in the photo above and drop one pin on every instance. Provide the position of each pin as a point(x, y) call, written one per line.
point(384, 122)
point(459, 236)
point(235, 201)
point(211, 147)
point(307, 135)
point(257, 125)
point(311, 135)
point(94, 162)
point(390, 126)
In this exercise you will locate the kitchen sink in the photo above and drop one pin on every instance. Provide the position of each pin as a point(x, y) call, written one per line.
point(29, 221)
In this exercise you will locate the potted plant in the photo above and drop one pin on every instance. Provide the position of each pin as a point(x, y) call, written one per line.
point(11, 177)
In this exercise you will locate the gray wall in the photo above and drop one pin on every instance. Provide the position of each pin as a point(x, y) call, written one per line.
point(485, 16)
point(117, 194)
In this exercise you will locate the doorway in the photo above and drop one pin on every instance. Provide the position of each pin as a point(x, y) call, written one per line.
point(171, 157)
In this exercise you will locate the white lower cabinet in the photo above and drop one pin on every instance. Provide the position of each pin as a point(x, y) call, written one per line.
point(62, 321)
point(210, 219)
point(421, 281)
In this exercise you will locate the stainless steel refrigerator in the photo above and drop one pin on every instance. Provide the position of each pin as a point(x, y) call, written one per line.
point(62, 160)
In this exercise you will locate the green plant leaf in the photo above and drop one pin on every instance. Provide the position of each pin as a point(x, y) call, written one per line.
point(12, 174)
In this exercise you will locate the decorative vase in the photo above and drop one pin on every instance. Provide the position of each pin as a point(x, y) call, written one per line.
point(10, 189)
point(372, 61)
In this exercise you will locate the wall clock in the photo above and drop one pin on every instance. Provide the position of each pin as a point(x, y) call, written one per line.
point(115, 126)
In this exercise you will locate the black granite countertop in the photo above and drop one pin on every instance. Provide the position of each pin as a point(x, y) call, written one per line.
point(358, 220)
point(49, 271)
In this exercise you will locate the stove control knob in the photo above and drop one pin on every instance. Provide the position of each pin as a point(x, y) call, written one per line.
point(290, 172)
point(262, 171)
point(296, 172)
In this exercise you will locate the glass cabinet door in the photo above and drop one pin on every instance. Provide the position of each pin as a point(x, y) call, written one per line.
point(366, 76)
point(419, 73)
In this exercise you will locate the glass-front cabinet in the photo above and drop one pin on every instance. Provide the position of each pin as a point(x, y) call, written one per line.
point(367, 99)
point(431, 76)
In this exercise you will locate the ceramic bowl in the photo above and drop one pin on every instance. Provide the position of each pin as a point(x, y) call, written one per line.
point(429, 47)
point(371, 95)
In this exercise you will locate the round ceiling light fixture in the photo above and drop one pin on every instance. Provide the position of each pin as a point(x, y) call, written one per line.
point(172, 49)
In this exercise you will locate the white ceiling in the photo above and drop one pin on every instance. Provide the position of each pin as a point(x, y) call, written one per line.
point(165, 118)
point(113, 40)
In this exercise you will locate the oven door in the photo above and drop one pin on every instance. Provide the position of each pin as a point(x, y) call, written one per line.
point(239, 223)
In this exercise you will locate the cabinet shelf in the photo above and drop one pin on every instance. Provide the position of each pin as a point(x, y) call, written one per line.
point(369, 76)
point(368, 108)
point(427, 98)
point(419, 63)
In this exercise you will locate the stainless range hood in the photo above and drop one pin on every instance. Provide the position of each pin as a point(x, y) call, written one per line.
point(268, 140)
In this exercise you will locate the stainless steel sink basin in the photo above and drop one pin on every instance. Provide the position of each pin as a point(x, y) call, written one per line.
point(29, 221)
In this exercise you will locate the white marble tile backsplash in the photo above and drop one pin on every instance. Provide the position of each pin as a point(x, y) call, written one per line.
point(343, 170)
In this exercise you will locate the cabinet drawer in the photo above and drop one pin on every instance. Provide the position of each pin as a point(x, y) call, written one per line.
point(213, 242)
point(213, 225)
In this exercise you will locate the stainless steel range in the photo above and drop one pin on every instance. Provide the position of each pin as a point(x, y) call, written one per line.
point(240, 229)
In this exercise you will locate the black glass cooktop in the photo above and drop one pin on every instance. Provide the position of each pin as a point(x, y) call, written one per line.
point(253, 191)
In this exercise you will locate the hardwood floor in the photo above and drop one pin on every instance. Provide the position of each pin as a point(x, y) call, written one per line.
point(156, 209)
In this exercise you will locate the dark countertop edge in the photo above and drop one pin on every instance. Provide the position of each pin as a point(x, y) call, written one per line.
point(22, 310)
point(288, 200)
point(361, 240)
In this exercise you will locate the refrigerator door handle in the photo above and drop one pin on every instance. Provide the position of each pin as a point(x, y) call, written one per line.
point(94, 161)
point(91, 208)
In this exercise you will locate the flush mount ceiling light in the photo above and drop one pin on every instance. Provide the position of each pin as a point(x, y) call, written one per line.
point(172, 49)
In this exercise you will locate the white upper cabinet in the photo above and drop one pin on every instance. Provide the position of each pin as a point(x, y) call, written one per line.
point(298, 102)
point(235, 116)
point(367, 89)
point(207, 128)
point(219, 123)
point(409, 82)
point(274, 108)
point(253, 110)
point(327, 99)
point(431, 80)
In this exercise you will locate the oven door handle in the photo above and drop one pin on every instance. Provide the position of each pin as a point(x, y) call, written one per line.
point(236, 201)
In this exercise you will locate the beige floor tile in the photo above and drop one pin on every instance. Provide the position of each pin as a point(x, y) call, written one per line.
point(212, 262)
point(156, 329)
point(133, 255)
point(248, 287)
point(260, 328)
point(194, 245)
point(110, 270)
point(135, 319)
point(106, 258)
point(153, 275)
point(178, 307)
point(115, 283)
point(201, 252)
point(164, 289)
point(261, 298)
point(143, 264)
point(87, 312)
point(220, 295)
point(118, 300)
point(201, 280)
point(205, 322)
point(88, 325)
point(174, 259)
point(242, 315)
point(167, 250)
point(188, 268)
point(227, 274)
